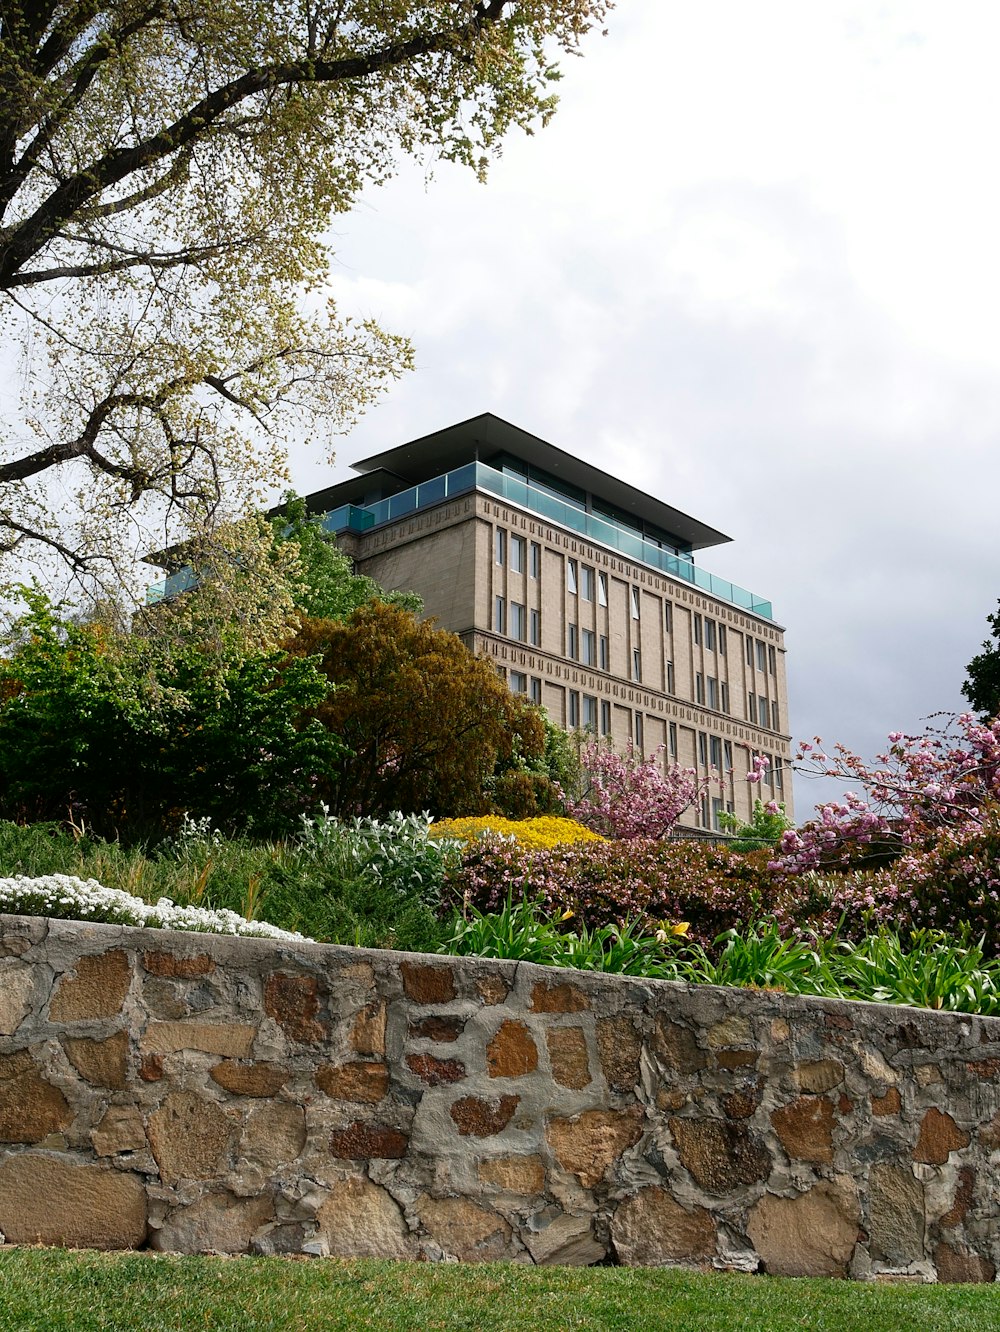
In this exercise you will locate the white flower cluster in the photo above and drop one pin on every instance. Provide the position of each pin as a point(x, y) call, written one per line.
point(66, 898)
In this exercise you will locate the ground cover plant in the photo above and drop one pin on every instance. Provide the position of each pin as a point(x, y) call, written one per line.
point(46, 1289)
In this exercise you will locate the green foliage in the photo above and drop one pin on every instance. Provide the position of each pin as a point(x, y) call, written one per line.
point(982, 687)
point(767, 824)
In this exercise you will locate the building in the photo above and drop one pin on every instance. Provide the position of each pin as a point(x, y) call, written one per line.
point(583, 591)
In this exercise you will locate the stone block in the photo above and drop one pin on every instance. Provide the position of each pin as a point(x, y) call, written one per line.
point(443, 1030)
point(189, 1135)
point(939, 1137)
point(720, 1155)
point(103, 1063)
point(567, 1241)
point(651, 1228)
point(492, 989)
point(361, 1220)
point(811, 1235)
point(250, 1079)
point(896, 1214)
point(965, 1191)
point(818, 1075)
point(805, 1128)
point(218, 1222)
point(435, 1072)
point(427, 984)
point(368, 1031)
point(293, 1002)
point(589, 1144)
point(274, 1135)
point(478, 1118)
point(95, 989)
point(524, 1175)
point(234, 1040)
point(120, 1130)
point(512, 1052)
point(558, 997)
point(464, 1230)
point(677, 1047)
point(53, 1200)
point(182, 967)
point(619, 1047)
point(360, 1141)
point(889, 1104)
point(30, 1108)
point(363, 1082)
point(568, 1056)
point(959, 1264)
point(15, 996)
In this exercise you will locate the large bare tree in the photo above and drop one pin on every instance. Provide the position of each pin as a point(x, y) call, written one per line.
point(167, 171)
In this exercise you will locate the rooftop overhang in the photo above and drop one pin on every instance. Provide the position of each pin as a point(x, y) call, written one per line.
point(484, 437)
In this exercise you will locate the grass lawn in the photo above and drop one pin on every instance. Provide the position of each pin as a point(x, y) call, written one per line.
point(52, 1289)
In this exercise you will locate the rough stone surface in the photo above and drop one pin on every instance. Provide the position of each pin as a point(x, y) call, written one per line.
point(15, 996)
point(677, 1046)
point(189, 1135)
point(233, 1039)
point(435, 1072)
point(889, 1104)
point(360, 1140)
point(651, 1228)
point(361, 1220)
point(811, 1235)
point(619, 1047)
point(478, 1118)
point(362, 1082)
point(101, 1062)
point(465, 1230)
point(568, 1056)
point(52, 1200)
point(965, 1191)
point(513, 1174)
point(568, 1241)
point(426, 984)
point(368, 1032)
point(121, 1130)
point(215, 1223)
point(720, 1155)
point(249, 1079)
point(30, 1107)
point(444, 1030)
point(96, 989)
point(821, 1075)
point(512, 1052)
point(293, 1002)
point(558, 997)
point(274, 1135)
point(588, 1144)
point(177, 965)
point(806, 1128)
point(492, 989)
point(896, 1214)
point(955, 1265)
point(939, 1137)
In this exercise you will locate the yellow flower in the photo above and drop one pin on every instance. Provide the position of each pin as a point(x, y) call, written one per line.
point(568, 914)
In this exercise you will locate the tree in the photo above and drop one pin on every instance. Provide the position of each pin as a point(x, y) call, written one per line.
point(425, 720)
point(166, 173)
point(630, 796)
point(982, 688)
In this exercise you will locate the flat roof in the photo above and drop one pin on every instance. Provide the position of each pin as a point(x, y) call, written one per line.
point(483, 437)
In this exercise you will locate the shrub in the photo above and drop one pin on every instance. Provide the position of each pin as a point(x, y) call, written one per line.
point(536, 833)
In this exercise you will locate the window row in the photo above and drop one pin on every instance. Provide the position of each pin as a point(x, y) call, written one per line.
point(764, 654)
point(584, 580)
point(709, 691)
point(762, 714)
point(710, 632)
point(517, 553)
point(714, 752)
point(515, 620)
point(522, 684)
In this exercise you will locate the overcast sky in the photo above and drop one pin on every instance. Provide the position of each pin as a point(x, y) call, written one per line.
point(751, 267)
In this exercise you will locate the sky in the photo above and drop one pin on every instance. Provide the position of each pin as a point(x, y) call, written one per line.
point(751, 267)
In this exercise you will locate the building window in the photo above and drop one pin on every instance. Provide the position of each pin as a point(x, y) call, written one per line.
point(637, 723)
point(590, 713)
point(517, 554)
point(703, 749)
point(717, 808)
point(635, 603)
point(535, 628)
point(605, 717)
point(517, 621)
point(636, 665)
point(716, 752)
point(772, 661)
point(713, 692)
point(604, 653)
point(668, 617)
point(670, 678)
point(518, 682)
point(749, 642)
point(761, 655)
point(696, 621)
point(699, 688)
point(571, 577)
point(709, 634)
point(727, 756)
point(722, 640)
point(586, 582)
point(602, 589)
point(499, 615)
point(779, 773)
point(673, 739)
point(762, 713)
point(774, 717)
point(501, 546)
point(725, 696)
point(752, 707)
point(536, 690)
point(572, 642)
point(704, 811)
point(535, 560)
point(588, 647)
point(574, 710)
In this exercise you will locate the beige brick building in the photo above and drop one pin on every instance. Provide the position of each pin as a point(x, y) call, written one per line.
point(583, 592)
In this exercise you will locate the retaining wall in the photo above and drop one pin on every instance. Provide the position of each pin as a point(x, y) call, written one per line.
point(192, 1092)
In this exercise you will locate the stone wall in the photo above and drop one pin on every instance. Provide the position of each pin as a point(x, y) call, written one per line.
point(191, 1092)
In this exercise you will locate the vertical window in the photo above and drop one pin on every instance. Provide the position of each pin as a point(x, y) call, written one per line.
point(535, 560)
point(668, 617)
point(517, 544)
point(772, 660)
point(725, 696)
point(534, 628)
point(709, 634)
point(571, 577)
point(713, 692)
point(604, 653)
point(699, 688)
point(716, 752)
point(536, 690)
point(636, 665)
point(673, 739)
point(749, 643)
point(517, 621)
point(704, 811)
point(761, 655)
point(574, 710)
point(717, 808)
point(637, 721)
point(779, 773)
point(752, 707)
point(501, 546)
point(602, 589)
point(586, 582)
point(722, 640)
point(696, 621)
point(762, 712)
point(499, 616)
point(605, 717)
point(635, 603)
point(727, 756)
point(774, 717)
point(572, 642)
point(518, 682)
point(588, 645)
point(703, 749)
point(590, 713)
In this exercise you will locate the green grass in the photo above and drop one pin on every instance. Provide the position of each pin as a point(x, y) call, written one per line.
point(49, 1290)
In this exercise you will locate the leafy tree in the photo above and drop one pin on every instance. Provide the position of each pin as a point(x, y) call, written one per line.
point(982, 688)
point(425, 720)
point(166, 175)
point(767, 826)
point(628, 796)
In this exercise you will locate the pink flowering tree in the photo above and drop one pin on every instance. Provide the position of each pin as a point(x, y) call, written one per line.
point(945, 780)
point(629, 796)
